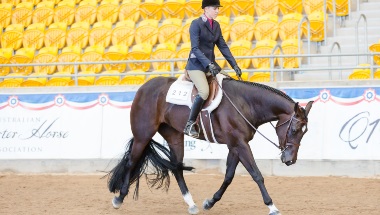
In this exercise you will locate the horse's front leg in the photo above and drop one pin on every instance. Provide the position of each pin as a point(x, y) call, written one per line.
point(246, 158)
point(232, 162)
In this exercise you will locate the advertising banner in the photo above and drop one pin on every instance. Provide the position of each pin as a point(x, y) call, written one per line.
point(343, 124)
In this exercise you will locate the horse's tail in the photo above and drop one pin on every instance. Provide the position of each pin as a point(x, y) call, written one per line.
point(156, 155)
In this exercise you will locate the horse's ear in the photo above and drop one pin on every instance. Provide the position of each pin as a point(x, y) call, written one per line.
point(308, 107)
point(296, 107)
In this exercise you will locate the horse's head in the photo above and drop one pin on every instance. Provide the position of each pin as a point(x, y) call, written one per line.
point(291, 131)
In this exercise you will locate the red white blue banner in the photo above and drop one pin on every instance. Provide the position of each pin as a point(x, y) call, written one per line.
point(343, 124)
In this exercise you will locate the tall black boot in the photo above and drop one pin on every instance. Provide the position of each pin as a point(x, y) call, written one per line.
point(195, 109)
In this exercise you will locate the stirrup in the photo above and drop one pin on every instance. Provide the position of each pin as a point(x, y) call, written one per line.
point(190, 130)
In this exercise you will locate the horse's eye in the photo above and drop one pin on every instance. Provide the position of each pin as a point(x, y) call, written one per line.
point(294, 131)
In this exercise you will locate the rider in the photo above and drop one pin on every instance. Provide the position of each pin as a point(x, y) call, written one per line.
point(205, 33)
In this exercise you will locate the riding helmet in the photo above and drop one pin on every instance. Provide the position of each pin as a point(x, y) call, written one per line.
point(215, 3)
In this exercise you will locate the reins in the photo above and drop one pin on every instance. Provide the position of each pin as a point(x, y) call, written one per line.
point(241, 114)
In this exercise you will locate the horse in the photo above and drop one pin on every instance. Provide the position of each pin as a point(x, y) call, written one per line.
point(150, 113)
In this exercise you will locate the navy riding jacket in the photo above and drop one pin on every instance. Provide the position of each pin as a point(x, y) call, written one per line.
point(203, 40)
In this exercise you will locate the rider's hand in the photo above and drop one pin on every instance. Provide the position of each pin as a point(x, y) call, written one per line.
point(237, 70)
point(214, 71)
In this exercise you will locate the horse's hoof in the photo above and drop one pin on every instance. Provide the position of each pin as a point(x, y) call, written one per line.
point(207, 205)
point(116, 203)
point(193, 210)
point(275, 213)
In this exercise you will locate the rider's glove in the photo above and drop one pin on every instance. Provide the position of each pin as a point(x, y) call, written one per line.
point(237, 70)
point(214, 71)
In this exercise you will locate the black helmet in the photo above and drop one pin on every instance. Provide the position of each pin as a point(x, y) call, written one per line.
point(206, 3)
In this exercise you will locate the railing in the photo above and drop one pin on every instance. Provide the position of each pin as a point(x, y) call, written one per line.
point(357, 36)
point(339, 58)
point(308, 37)
point(173, 72)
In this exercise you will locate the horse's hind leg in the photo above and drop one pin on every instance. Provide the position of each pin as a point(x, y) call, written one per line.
point(246, 158)
point(232, 162)
point(141, 140)
point(175, 140)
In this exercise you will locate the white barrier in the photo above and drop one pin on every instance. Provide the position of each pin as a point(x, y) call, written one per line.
point(343, 124)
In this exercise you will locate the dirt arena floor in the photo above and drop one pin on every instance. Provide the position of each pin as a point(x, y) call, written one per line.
point(88, 194)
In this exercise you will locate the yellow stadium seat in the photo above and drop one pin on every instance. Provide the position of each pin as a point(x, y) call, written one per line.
point(288, 27)
point(32, 81)
point(147, 32)
point(92, 54)
point(123, 33)
point(65, 12)
point(342, 7)
point(108, 11)
point(267, 7)
point(170, 31)
point(375, 48)
point(108, 80)
point(291, 6)
point(129, 10)
point(260, 77)
point(266, 27)
point(34, 36)
point(78, 35)
point(100, 34)
point(317, 26)
point(242, 28)
point(86, 12)
point(226, 9)
point(44, 13)
point(311, 6)
point(116, 53)
point(224, 23)
point(185, 30)
point(183, 52)
point(221, 63)
point(46, 55)
point(23, 56)
point(174, 9)
point(163, 51)
point(151, 76)
point(84, 80)
point(5, 14)
point(133, 80)
point(241, 48)
point(12, 2)
point(69, 54)
point(12, 37)
point(244, 75)
point(263, 47)
point(140, 52)
point(59, 81)
point(34, 2)
point(243, 7)
point(55, 36)
point(377, 74)
point(22, 14)
point(12, 82)
point(5, 55)
point(151, 9)
point(193, 8)
point(361, 73)
point(290, 47)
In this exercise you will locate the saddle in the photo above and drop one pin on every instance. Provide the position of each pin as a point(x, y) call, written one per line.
point(183, 92)
point(213, 89)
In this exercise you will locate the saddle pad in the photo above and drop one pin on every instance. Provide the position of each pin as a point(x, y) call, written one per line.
point(180, 93)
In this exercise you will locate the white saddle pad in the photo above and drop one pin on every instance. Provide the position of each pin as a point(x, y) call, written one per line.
point(179, 93)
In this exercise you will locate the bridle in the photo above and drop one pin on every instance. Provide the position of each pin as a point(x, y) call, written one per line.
point(290, 120)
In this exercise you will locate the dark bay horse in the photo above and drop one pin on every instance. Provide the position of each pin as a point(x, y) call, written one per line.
point(150, 113)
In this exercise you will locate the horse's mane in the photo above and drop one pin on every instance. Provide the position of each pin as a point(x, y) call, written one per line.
point(266, 87)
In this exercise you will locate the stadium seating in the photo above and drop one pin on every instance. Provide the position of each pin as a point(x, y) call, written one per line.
point(291, 6)
point(262, 48)
point(151, 9)
point(193, 9)
point(46, 55)
point(140, 51)
point(23, 56)
point(108, 11)
point(288, 27)
point(84, 80)
point(163, 51)
point(290, 47)
point(226, 9)
point(78, 35)
point(59, 81)
point(12, 37)
point(5, 14)
point(44, 13)
point(243, 7)
point(147, 32)
point(123, 33)
point(55, 35)
point(69, 54)
point(65, 12)
point(92, 54)
point(185, 35)
point(133, 80)
point(100, 34)
point(129, 10)
point(86, 12)
point(11, 82)
point(183, 52)
point(266, 28)
point(174, 9)
point(116, 53)
point(170, 31)
point(224, 23)
point(242, 48)
point(22, 14)
point(34, 81)
point(317, 26)
point(267, 7)
point(242, 28)
point(5, 55)
point(107, 79)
